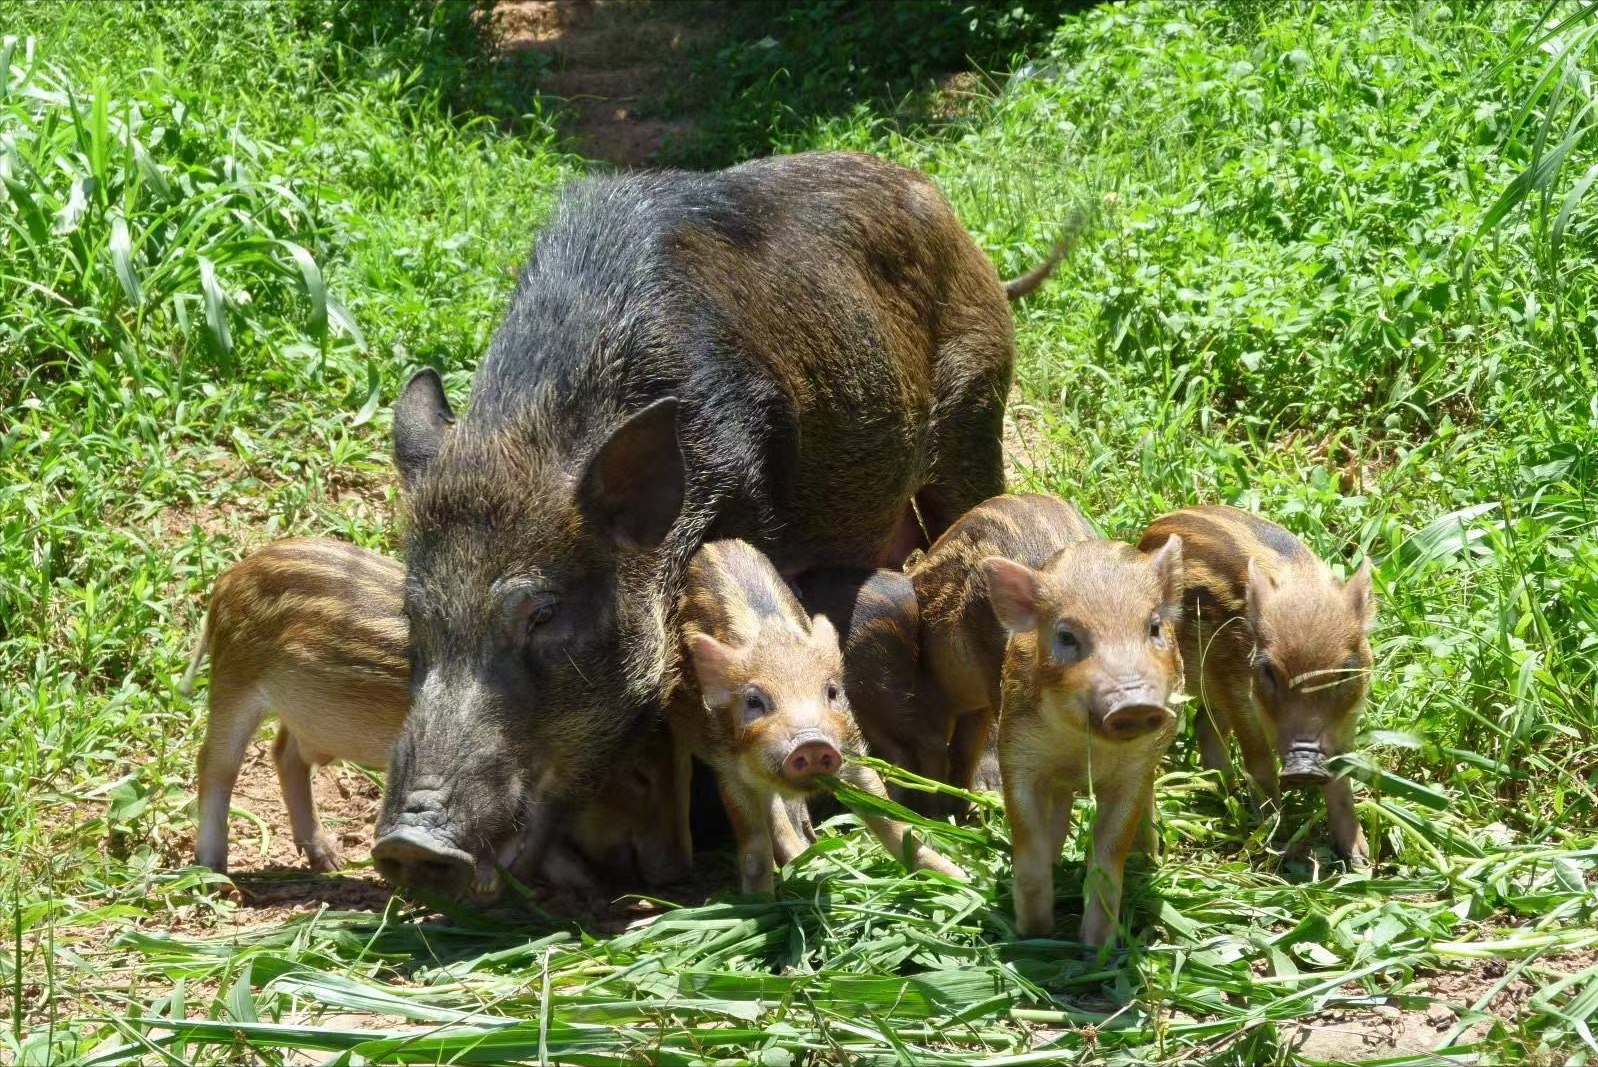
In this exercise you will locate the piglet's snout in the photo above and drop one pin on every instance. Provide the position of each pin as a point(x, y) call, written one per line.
point(809, 758)
point(1132, 712)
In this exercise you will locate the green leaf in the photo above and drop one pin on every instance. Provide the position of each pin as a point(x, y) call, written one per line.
point(374, 396)
point(1556, 238)
point(241, 998)
point(315, 290)
point(70, 216)
point(122, 261)
point(344, 323)
point(215, 310)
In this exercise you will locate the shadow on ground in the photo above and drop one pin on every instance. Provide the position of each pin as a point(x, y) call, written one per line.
point(708, 82)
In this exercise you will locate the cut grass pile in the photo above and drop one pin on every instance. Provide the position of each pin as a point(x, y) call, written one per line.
point(1341, 270)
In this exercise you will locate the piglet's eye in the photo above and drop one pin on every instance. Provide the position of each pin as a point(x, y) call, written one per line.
point(833, 692)
point(1266, 675)
point(1067, 646)
point(755, 704)
point(1156, 630)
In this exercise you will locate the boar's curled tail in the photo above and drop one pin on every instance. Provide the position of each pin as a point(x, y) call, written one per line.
point(1023, 284)
point(200, 649)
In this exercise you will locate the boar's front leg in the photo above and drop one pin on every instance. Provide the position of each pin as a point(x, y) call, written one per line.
point(892, 833)
point(1123, 808)
point(1254, 737)
point(1347, 833)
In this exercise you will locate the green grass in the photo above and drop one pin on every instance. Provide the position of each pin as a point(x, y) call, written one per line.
point(1342, 269)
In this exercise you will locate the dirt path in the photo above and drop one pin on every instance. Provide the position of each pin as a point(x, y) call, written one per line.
point(613, 63)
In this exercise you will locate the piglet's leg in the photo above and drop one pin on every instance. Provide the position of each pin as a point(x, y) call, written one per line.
point(788, 820)
point(892, 833)
point(1034, 821)
point(681, 849)
point(1256, 738)
point(1211, 741)
point(750, 816)
point(1148, 835)
point(1347, 833)
point(294, 774)
point(966, 747)
point(1121, 812)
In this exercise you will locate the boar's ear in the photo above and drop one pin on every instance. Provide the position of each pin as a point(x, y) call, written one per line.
point(715, 667)
point(1013, 592)
point(1361, 597)
point(1168, 571)
point(421, 418)
point(633, 487)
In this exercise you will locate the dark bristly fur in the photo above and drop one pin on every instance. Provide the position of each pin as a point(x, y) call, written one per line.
point(836, 347)
point(1280, 657)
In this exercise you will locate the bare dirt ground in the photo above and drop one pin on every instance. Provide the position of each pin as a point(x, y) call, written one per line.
point(267, 868)
point(1382, 1031)
point(609, 62)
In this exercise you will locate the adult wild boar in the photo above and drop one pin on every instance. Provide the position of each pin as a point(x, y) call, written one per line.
point(804, 352)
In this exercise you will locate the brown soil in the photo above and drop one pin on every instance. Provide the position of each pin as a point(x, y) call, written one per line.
point(1356, 1035)
point(607, 63)
point(1025, 447)
point(273, 881)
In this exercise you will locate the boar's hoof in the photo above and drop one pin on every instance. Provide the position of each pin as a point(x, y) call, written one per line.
point(1134, 720)
point(412, 859)
point(810, 759)
point(1304, 769)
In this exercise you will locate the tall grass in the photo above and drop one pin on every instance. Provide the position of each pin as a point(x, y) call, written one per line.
point(1343, 273)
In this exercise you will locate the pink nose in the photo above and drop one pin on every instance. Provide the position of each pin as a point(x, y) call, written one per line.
point(810, 759)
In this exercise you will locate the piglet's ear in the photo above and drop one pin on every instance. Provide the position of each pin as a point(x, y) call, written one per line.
point(822, 633)
point(715, 667)
point(1361, 597)
point(1013, 591)
point(1168, 571)
point(421, 418)
point(633, 487)
point(1257, 592)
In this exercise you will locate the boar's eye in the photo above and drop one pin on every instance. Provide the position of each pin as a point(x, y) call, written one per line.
point(540, 614)
point(755, 704)
point(833, 692)
point(1067, 645)
point(1157, 630)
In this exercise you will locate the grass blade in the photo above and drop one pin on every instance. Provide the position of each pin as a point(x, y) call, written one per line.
point(122, 261)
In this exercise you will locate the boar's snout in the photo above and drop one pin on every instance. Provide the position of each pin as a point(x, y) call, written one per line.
point(1304, 767)
point(1124, 714)
point(413, 858)
point(809, 759)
